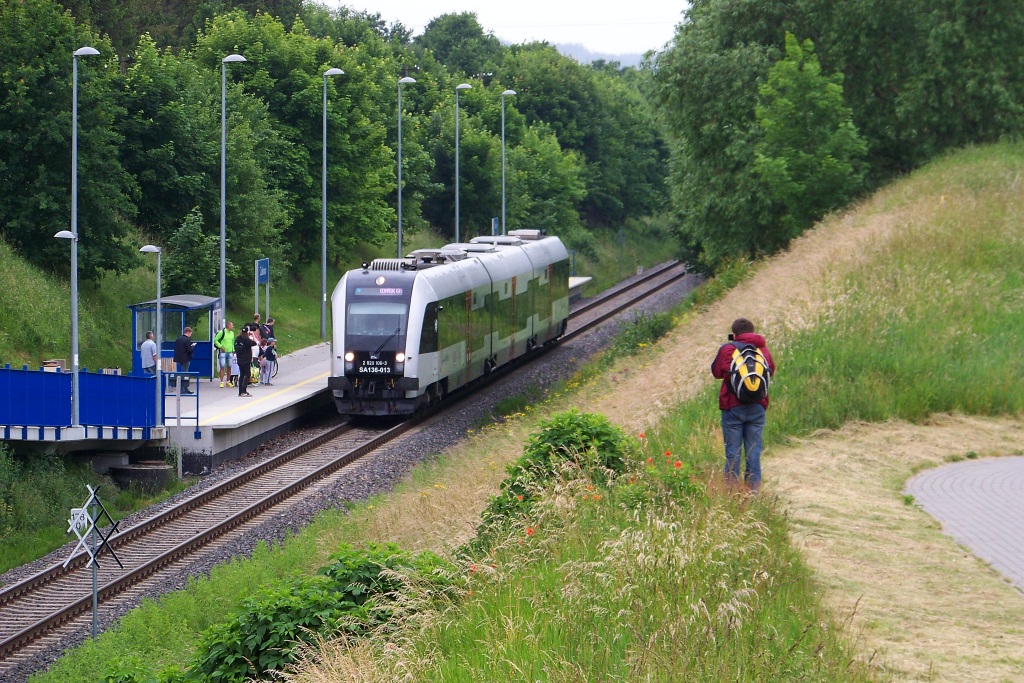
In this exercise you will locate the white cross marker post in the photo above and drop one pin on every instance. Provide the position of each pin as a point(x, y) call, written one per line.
point(82, 523)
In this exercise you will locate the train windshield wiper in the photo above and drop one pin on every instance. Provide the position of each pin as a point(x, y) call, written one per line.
point(385, 342)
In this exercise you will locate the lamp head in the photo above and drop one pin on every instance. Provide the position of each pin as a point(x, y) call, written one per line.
point(407, 79)
point(463, 86)
point(233, 58)
point(509, 92)
point(150, 249)
point(83, 51)
point(334, 72)
point(65, 235)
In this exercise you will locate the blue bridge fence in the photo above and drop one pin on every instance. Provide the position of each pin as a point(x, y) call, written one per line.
point(39, 398)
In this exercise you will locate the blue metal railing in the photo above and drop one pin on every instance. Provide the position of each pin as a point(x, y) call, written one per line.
point(40, 398)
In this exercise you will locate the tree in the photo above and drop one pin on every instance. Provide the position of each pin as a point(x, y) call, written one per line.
point(707, 88)
point(35, 134)
point(285, 71)
point(171, 137)
point(192, 263)
point(544, 185)
point(459, 42)
point(600, 115)
point(810, 155)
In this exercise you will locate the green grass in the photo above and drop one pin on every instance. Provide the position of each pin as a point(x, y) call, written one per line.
point(636, 583)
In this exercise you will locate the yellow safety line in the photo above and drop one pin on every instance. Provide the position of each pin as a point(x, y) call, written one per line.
point(208, 422)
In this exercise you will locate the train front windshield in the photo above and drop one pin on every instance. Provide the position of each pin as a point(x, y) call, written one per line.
point(376, 319)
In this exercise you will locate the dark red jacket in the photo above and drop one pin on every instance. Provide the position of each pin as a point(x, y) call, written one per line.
point(723, 361)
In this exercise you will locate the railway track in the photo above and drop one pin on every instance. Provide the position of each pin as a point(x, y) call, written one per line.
point(35, 611)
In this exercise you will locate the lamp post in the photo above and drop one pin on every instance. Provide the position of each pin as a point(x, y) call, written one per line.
point(68, 235)
point(406, 79)
point(323, 222)
point(507, 92)
point(460, 86)
point(223, 183)
point(151, 249)
point(73, 234)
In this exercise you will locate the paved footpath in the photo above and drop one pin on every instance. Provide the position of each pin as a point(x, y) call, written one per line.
point(980, 503)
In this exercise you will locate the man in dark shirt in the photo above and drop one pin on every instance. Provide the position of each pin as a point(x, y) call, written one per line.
point(183, 348)
point(243, 354)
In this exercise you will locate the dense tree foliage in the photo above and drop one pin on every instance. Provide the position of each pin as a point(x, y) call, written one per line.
point(809, 157)
point(919, 76)
point(580, 140)
point(35, 136)
point(459, 42)
point(171, 23)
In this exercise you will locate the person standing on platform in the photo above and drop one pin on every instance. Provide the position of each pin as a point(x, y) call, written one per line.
point(225, 343)
point(183, 349)
point(149, 355)
point(269, 361)
point(243, 354)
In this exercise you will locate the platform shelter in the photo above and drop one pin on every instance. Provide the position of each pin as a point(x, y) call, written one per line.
point(201, 313)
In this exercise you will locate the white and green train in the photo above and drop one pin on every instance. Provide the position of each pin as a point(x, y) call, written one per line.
point(408, 331)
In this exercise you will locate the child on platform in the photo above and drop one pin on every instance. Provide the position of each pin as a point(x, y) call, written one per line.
point(269, 358)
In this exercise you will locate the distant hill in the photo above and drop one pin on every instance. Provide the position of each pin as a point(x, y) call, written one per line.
point(585, 56)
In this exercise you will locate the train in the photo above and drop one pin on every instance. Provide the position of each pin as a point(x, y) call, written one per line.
point(408, 331)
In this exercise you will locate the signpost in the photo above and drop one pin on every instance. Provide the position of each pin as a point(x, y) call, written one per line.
point(83, 523)
point(262, 278)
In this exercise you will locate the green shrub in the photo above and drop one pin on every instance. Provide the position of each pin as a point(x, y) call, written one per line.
point(585, 442)
point(354, 593)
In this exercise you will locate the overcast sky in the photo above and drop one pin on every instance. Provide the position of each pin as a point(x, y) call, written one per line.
point(611, 26)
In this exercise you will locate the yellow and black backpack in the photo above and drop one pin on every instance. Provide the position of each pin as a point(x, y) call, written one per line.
point(749, 375)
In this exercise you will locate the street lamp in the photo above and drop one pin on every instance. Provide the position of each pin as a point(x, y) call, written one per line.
point(223, 155)
point(460, 86)
point(68, 235)
point(406, 79)
point(323, 255)
point(507, 92)
point(150, 249)
point(73, 233)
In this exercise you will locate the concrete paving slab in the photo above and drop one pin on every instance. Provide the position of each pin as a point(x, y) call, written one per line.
point(980, 503)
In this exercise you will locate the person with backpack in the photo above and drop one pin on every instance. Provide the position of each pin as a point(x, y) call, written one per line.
point(746, 369)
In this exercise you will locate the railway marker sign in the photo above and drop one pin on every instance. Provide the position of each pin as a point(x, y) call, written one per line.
point(83, 522)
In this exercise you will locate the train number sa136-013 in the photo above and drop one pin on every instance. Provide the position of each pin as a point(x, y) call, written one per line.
point(374, 367)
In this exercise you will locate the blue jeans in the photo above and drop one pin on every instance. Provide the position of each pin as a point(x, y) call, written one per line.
point(743, 426)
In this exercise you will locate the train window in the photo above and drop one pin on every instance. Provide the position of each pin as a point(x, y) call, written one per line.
point(428, 336)
point(376, 319)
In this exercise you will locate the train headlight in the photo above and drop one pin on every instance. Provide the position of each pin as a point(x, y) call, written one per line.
point(349, 357)
point(399, 357)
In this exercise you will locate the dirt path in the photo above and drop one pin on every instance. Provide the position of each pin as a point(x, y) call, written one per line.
point(920, 607)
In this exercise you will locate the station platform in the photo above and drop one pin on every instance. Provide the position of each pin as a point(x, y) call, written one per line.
point(576, 288)
point(229, 426)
